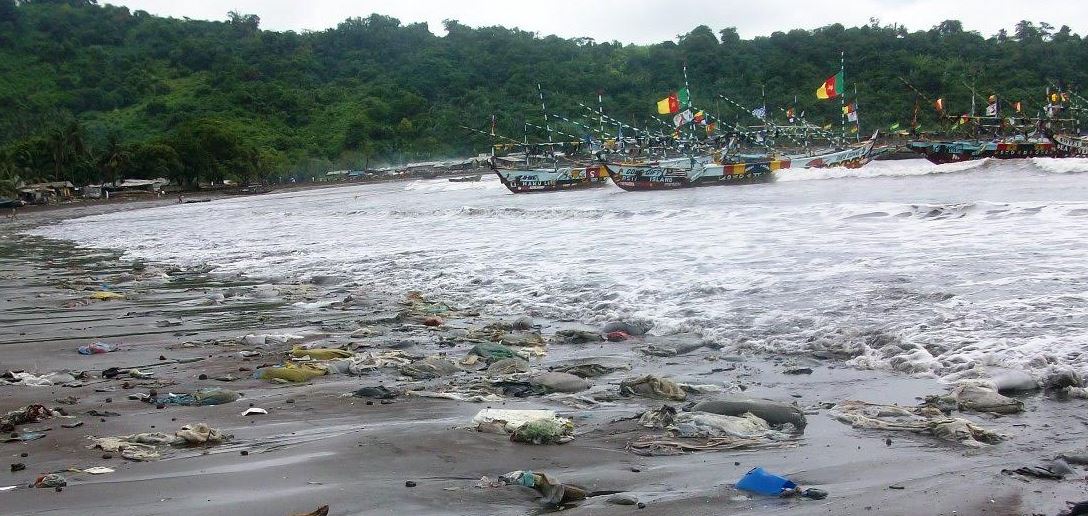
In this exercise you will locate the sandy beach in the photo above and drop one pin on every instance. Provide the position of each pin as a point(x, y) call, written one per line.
point(184, 329)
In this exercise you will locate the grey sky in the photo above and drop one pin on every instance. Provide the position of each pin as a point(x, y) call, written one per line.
point(635, 21)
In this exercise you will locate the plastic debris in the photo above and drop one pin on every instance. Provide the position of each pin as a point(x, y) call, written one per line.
point(922, 419)
point(759, 481)
point(553, 494)
point(254, 410)
point(50, 480)
point(208, 396)
point(96, 348)
point(776, 413)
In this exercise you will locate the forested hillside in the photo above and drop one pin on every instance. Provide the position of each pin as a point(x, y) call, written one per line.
point(91, 92)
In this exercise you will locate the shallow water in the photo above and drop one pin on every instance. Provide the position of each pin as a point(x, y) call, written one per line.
point(904, 265)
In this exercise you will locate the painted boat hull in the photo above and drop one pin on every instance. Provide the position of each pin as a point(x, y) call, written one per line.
point(553, 180)
point(955, 152)
point(647, 177)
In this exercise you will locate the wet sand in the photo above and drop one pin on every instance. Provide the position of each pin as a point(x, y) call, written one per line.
point(318, 446)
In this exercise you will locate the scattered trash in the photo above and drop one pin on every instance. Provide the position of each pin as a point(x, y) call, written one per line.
point(97, 348)
point(492, 352)
point(50, 480)
point(379, 392)
point(774, 412)
point(617, 336)
point(985, 399)
point(28, 414)
point(291, 372)
point(23, 437)
point(814, 493)
point(759, 481)
point(320, 511)
point(922, 419)
point(254, 410)
point(105, 296)
point(544, 431)
point(576, 337)
point(650, 386)
point(430, 367)
point(144, 446)
point(321, 353)
point(559, 382)
point(202, 397)
point(507, 366)
point(535, 426)
point(1075, 509)
point(17, 466)
point(798, 370)
point(433, 320)
point(553, 494)
point(96, 470)
point(1056, 470)
point(45, 380)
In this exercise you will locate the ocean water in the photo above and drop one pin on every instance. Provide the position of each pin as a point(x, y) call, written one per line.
point(929, 270)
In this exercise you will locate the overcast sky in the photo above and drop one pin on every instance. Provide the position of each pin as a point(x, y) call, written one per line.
point(635, 21)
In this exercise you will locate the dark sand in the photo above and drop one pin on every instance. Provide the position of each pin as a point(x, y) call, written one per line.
point(325, 448)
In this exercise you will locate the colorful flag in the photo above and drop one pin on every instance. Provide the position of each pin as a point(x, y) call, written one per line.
point(668, 105)
point(684, 97)
point(678, 119)
point(853, 129)
point(700, 117)
point(832, 87)
point(939, 105)
point(1054, 97)
point(760, 112)
point(894, 127)
point(964, 118)
point(827, 127)
point(851, 112)
point(1017, 106)
point(1065, 96)
point(789, 114)
point(710, 127)
point(991, 109)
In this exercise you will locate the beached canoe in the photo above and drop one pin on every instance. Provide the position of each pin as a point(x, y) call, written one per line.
point(466, 179)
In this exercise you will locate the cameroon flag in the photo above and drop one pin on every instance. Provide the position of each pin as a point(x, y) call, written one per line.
point(668, 105)
point(832, 87)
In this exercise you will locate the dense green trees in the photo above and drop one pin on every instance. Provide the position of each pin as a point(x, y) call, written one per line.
point(92, 93)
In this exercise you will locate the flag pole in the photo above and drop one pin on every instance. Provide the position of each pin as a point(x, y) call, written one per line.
point(691, 126)
point(842, 98)
point(857, 116)
point(544, 108)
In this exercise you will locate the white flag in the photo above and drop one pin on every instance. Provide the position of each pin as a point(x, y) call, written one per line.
point(991, 110)
point(678, 119)
point(853, 116)
point(760, 112)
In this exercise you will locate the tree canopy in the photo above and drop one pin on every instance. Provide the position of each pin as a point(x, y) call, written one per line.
point(96, 92)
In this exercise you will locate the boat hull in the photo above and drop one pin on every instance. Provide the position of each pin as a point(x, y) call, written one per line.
point(655, 177)
point(553, 180)
point(955, 152)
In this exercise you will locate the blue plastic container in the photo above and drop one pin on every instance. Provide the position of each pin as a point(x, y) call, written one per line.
point(760, 482)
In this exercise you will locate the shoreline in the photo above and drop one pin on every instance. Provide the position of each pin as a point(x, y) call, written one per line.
point(324, 448)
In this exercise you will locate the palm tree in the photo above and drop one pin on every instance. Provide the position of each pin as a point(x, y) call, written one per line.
point(67, 145)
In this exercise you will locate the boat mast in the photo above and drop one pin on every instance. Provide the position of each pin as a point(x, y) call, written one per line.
point(857, 117)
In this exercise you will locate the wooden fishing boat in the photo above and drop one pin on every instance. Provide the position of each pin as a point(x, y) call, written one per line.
point(530, 180)
point(668, 176)
point(466, 179)
point(743, 170)
point(1069, 146)
point(967, 150)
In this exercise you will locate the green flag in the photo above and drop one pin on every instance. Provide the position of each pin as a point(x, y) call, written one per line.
point(894, 127)
point(684, 97)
